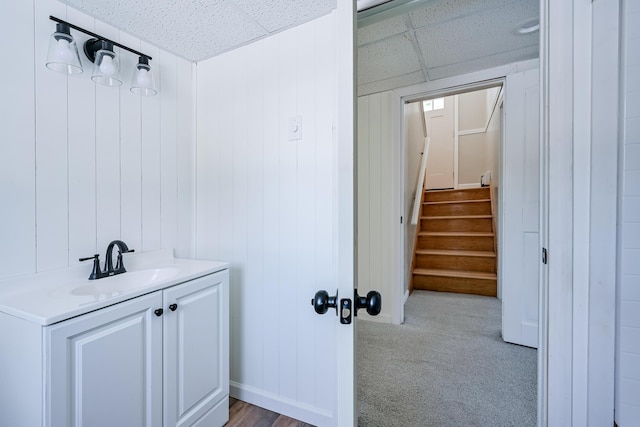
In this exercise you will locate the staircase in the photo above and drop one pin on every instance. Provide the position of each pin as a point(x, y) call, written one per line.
point(455, 245)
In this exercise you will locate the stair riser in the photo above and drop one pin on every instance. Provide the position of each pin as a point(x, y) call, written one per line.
point(456, 243)
point(458, 263)
point(483, 224)
point(469, 194)
point(454, 209)
point(486, 287)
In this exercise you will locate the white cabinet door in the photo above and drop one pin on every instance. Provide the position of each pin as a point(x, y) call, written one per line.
point(196, 360)
point(105, 367)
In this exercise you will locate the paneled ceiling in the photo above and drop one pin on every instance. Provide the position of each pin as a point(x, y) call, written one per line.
point(400, 42)
point(411, 42)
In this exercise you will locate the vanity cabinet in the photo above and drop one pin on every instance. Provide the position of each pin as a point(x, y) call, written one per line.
point(159, 359)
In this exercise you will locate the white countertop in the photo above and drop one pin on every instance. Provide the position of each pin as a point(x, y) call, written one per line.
point(50, 297)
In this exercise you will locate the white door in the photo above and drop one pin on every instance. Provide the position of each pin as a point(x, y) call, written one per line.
point(196, 360)
point(520, 254)
point(106, 367)
point(441, 151)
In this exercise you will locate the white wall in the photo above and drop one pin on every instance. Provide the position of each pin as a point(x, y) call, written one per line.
point(627, 404)
point(266, 204)
point(377, 198)
point(83, 164)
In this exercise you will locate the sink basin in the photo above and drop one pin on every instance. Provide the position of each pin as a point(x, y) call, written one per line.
point(126, 282)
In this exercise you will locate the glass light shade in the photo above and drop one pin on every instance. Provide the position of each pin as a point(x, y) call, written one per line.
point(63, 53)
point(142, 82)
point(106, 68)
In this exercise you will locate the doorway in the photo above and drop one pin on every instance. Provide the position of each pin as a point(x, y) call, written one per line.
point(518, 122)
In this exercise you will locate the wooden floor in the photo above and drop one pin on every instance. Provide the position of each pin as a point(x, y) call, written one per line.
point(243, 414)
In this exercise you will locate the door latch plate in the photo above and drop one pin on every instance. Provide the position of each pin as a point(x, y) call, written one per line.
point(345, 311)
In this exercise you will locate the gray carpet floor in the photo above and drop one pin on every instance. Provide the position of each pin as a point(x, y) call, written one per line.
point(445, 366)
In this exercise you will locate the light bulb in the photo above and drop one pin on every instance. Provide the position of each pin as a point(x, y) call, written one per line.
point(107, 66)
point(63, 51)
point(143, 77)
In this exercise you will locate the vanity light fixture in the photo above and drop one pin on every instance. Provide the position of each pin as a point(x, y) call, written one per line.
point(63, 57)
point(106, 67)
point(142, 82)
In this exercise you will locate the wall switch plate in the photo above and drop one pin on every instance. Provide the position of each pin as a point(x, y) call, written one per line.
point(295, 128)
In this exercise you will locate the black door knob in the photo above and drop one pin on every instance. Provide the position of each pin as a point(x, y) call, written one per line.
point(158, 312)
point(322, 302)
point(173, 307)
point(372, 302)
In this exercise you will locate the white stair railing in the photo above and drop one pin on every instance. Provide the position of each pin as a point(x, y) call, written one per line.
point(420, 187)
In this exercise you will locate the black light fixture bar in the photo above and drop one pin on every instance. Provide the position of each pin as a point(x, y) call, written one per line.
point(82, 30)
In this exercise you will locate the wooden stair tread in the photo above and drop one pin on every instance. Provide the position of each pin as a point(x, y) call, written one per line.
point(457, 233)
point(443, 202)
point(449, 252)
point(457, 217)
point(455, 273)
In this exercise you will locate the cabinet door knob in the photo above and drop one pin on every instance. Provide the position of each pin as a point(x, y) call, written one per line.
point(158, 312)
point(173, 307)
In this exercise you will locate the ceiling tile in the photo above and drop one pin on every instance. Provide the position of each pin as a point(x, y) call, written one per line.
point(476, 36)
point(483, 63)
point(200, 29)
point(387, 58)
point(381, 30)
point(277, 14)
point(392, 83)
point(439, 11)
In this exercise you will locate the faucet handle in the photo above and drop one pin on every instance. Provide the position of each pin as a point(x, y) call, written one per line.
point(96, 273)
point(88, 258)
point(119, 263)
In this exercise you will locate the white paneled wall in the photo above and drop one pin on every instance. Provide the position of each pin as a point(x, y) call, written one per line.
point(266, 204)
point(378, 203)
point(627, 405)
point(84, 164)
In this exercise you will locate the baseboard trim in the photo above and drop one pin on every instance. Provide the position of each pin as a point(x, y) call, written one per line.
point(291, 408)
point(405, 297)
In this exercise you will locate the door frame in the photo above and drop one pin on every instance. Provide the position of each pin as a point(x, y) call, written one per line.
point(444, 87)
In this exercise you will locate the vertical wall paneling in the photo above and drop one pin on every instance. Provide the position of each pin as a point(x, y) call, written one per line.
point(288, 58)
point(73, 162)
point(363, 245)
point(325, 101)
point(51, 148)
point(271, 178)
point(131, 148)
point(627, 377)
point(265, 204)
point(168, 150)
point(186, 167)
point(375, 197)
point(17, 162)
point(252, 103)
point(387, 207)
point(239, 203)
point(305, 254)
point(82, 152)
point(151, 162)
point(107, 136)
point(376, 200)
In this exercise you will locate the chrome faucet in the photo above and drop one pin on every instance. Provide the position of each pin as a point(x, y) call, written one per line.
point(97, 273)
